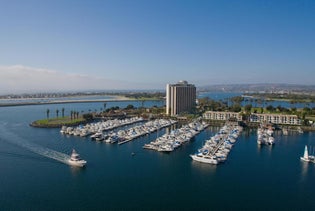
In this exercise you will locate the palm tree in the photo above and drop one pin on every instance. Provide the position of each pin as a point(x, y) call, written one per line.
point(63, 112)
point(104, 106)
point(57, 113)
point(71, 114)
point(47, 112)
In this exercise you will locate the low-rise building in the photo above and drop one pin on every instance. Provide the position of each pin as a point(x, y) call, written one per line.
point(222, 115)
point(283, 119)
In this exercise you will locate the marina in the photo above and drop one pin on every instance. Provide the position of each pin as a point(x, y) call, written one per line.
point(96, 129)
point(129, 169)
point(216, 149)
point(157, 105)
point(125, 136)
point(169, 142)
point(104, 131)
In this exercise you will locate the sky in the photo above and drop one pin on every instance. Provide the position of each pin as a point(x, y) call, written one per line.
point(61, 45)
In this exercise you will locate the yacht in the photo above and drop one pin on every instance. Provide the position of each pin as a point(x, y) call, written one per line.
point(63, 129)
point(165, 148)
point(305, 156)
point(265, 135)
point(204, 159)
point(271, 140)
point(75, 160)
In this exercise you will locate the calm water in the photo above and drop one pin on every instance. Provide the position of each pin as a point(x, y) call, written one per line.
point(252, 178)
point(226, 96)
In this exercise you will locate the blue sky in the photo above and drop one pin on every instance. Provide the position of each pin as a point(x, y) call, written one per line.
point(135, 44)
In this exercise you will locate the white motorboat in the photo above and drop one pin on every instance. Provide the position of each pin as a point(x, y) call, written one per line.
point(75, 160)
point(305, 156)
point(271, 140)
point(63, 129)
point(165, 148)
point(204, 159)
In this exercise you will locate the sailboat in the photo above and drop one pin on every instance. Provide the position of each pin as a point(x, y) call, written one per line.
point(305, 156)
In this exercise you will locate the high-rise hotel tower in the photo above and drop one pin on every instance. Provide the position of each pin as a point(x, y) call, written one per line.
point(180, 97)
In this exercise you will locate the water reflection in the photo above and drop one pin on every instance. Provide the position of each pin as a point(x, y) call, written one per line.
point(75, 171)
point(267, 148)
point(204, 167)
point(304, 166)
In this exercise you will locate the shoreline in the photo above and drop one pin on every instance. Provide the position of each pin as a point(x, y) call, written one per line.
point(117, 99)
point(57, 125)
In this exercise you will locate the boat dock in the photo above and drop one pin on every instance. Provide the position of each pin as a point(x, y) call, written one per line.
point(99, 127)
point(216, 149)
point(138, 131)
point(169, 142)
point(265, 135)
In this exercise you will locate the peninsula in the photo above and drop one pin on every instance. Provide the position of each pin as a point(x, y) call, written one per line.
point(79, 97)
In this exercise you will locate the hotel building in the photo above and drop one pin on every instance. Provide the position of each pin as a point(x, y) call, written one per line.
point(180, 97)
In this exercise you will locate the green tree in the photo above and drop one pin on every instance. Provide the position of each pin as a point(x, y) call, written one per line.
point(270, 108)
point(261, 110)
point(88, 116)
point(237, 100)
point(248, 108)
point(307, 110)
point(130, 106)
point(63, 112)
point(236, 108)
point(57, 113)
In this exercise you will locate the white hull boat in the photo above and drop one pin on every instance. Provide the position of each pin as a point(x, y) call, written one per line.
point(204, 159)
point(75, 160)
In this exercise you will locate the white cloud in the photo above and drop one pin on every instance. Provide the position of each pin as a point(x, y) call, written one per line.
point(22, 79)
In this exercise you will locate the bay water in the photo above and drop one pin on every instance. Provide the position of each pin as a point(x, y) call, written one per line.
point(33, 176)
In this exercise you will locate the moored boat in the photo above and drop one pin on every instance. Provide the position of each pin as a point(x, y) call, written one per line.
point(305, 155)
point(216, 149)
point(204, 159)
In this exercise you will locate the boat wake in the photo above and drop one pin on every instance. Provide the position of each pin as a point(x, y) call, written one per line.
point(35, 148)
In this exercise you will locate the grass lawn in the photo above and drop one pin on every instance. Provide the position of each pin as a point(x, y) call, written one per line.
point(310, 118)
point(58, 121)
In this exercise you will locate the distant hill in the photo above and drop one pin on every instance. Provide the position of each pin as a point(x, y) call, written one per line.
point(250, 88)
